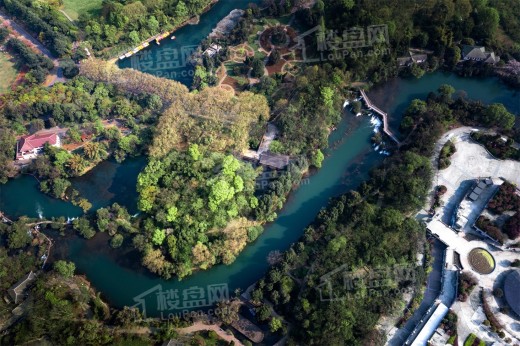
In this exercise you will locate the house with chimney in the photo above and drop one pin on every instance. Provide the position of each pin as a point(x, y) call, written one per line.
point(30, 146)
point(479, 53)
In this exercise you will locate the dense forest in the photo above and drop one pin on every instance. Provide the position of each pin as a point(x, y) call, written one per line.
point(368, 229)
point(85, 109)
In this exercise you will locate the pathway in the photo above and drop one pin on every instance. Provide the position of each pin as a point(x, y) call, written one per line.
point(386, 128)
point(56, 73)
point(199, 326)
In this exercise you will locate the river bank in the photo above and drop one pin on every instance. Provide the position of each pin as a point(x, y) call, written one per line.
point(113, 58)
point(349, 159)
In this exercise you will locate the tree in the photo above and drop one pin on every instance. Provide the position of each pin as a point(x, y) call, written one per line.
point(84, 204)
point(64, 268)
point(274, 57)
point(317, 158)
point(263, 312)
point(487, 20)
point(275, 324)
point(134, 37)
point(74, 134)
point(19, 236)
point(181, 11)
point(76, 164)
point(497, 115)
point(69, 67)
point(4, 34)
point(258, 69)
point(158, 236)
point(227, 311)
point(116, 241)
point(82, 226)
point(93, 150)
point(453, 56)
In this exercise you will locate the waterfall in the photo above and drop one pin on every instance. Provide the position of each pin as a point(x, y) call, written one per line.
point(39, 210)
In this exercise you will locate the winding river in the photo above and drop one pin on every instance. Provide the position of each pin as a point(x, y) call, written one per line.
point(351, 156)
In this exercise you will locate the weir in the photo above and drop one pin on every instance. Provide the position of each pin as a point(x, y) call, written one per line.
point(386, 128)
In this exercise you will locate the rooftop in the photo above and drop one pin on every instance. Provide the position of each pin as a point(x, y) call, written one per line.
point(511, 289)
point(34, 141)
point(17, 290)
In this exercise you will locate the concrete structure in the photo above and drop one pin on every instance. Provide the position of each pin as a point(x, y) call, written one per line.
point(212, 50)
point(386, 128)
point(275, 161)
point(429, 328)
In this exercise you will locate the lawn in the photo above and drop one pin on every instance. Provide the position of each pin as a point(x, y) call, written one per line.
point(472, 340)
point(8, 72)
point(74, 8)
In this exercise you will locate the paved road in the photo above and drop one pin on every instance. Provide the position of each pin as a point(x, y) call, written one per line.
point(56, 74)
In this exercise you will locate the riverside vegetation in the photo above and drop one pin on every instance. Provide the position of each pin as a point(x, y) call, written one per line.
point(190, 137)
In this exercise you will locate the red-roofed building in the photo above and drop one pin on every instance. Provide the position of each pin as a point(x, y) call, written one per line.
point(30, 146)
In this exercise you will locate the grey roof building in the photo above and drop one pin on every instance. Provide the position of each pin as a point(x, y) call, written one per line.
point(479, 53)
point(275, 161)
point(17, 291)
point(512, 289)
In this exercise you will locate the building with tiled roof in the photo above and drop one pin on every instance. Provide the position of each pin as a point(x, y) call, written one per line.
point(30, 146)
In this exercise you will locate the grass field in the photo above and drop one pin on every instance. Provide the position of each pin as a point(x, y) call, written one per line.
point(8, 72)
point(74, 8)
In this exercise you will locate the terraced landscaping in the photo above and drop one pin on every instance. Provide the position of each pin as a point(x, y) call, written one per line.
point(481, 261)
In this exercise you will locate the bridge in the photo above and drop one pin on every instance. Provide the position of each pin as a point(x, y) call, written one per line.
point(386, 128)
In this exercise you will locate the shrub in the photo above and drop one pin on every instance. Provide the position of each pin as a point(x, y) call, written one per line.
point(497, 292)
point(505, 200)
point(495, 324)
point(485, 224)
point(512, 226)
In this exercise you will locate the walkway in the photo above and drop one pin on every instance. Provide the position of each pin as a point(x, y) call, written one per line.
point(56, 73)
point(386, 128)
point(199, 326)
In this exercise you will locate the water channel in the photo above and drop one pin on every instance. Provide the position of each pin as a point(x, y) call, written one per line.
point(118, 275)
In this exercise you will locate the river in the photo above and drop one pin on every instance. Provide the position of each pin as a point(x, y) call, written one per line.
point(349, 159)
point(347, 164)
point(169, 59)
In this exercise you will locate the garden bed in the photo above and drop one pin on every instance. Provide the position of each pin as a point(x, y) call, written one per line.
point(481, 261)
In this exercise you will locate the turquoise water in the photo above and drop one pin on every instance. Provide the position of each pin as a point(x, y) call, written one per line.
point(119, 276)
point(22, 196)
point(169, 59)
point(107, 183)
point(346, 166)
point(395, 95)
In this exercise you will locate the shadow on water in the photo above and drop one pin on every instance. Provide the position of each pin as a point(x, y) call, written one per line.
point(120, 282)
point(111, 182)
